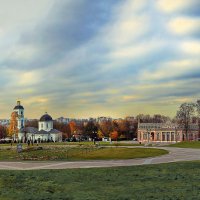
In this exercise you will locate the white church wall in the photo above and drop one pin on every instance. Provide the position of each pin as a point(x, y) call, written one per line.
point(56, 137)
point(43, 125)
point(41, 137)
point(20, 136)
point(46, 126)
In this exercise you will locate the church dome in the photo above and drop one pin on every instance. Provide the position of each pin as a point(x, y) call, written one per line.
point(18, 106)
point(46, 118)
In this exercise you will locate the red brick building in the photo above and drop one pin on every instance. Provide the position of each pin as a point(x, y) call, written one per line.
point(165, 132)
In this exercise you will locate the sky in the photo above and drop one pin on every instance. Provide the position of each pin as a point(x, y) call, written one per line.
point(90, 58)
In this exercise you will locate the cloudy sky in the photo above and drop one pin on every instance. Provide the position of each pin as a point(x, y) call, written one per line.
point(99, 58)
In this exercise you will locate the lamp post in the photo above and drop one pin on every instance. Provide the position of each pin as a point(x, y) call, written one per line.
point(93, 136)
point(32, 139)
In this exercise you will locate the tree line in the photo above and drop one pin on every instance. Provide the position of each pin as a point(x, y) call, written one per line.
point(122, 129)
point(187, 114)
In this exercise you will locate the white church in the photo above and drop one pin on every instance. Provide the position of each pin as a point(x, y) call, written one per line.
point(45, 131)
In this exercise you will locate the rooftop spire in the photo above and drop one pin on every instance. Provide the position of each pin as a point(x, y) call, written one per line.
point(18, 103)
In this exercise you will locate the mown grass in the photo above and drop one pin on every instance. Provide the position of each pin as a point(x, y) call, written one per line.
point(164, 181)
point(79, 153)
point(101, 143)
point(192, 144)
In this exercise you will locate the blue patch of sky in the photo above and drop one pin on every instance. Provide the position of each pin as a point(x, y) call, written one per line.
point(68, 28)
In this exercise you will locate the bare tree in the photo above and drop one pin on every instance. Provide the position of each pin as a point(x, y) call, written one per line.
point(184, 116)
point(198, 114)
point(157, 118)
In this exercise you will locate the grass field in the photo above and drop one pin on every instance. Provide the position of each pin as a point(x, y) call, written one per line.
point(101, 143)
point(192, 144)
point(79, 153)
point(164, 181)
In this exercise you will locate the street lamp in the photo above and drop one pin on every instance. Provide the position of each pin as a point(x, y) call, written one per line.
point(93, 136)
point(32, 139)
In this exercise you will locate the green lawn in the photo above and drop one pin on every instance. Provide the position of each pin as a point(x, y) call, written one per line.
point(164, 181)
point(192, 144)
point(101, 143)
point(79, 153)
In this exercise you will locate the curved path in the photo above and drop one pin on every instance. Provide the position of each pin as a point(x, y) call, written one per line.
point(175, 155)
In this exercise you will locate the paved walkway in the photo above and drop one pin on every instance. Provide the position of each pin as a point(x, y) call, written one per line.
point(175, 155)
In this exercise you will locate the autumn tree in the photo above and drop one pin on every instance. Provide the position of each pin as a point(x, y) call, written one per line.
point(115, 126)
point(64, 128)
point(100, 134)
point(13, 130)
point(114, 135)
point(184, 116)
point(106, 127)
point(3, 131)
point(91, 129)
point(32, 123)
point(124, 129)
point(79, 128)
point(72, 126)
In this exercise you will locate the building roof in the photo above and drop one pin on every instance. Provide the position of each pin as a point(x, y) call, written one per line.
point(46, 118)
point(29, 130)
point(33, 130)
point(54, 131)
point(18, 106)
point(42, 132)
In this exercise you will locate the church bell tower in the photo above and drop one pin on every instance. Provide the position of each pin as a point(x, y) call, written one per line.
point(19, 109)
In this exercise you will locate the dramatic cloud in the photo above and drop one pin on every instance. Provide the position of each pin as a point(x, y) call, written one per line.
point(89, 58)
point(185, 26)
point(179, 6)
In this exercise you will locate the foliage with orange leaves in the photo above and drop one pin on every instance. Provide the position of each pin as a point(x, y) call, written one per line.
point(100, 135)
point(72, 126)
point(13, 130)
point(114, 135)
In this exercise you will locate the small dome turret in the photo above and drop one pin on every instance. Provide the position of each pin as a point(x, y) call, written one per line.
point(46, 118)
point(18, 106)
